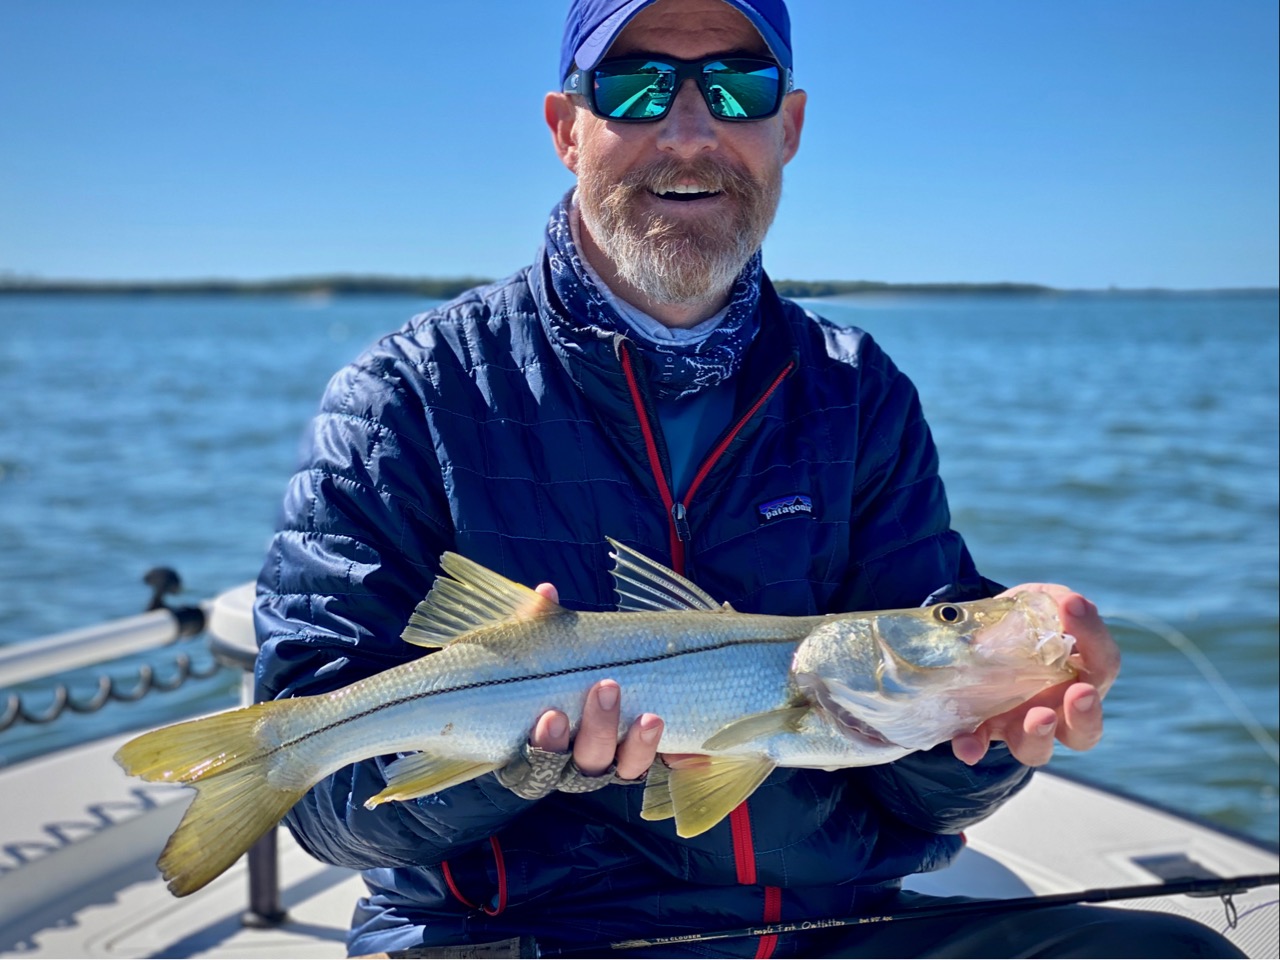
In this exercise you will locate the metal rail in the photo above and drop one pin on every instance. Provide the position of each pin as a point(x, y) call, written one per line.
point(60, 652)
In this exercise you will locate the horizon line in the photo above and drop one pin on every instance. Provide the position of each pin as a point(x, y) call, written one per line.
point(374, 284)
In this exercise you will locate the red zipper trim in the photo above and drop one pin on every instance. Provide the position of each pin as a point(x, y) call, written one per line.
point(728, 438)
point(744, 853)
point(772, 914)
point(655, 461)
point(744, 861)
point(502, 882)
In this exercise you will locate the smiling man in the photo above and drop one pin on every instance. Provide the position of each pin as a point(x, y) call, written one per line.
point(643, 380)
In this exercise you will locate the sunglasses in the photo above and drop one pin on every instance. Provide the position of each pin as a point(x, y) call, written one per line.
point(642, 89)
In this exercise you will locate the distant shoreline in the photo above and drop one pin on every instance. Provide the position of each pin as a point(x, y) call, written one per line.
point(446, 288)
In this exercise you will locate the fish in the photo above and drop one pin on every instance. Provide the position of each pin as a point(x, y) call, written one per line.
point(740, 695)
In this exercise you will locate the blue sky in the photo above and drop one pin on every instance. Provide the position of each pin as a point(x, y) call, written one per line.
point(1083, 144)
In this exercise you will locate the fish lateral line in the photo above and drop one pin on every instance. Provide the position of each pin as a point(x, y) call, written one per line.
point(524, 678)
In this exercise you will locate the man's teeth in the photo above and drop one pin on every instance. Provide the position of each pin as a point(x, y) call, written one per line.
point(685, 192)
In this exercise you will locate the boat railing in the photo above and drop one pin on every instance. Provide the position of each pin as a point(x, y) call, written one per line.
point(228, 622)
point(57, 654)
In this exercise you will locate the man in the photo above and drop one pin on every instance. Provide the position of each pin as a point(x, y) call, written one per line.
point(643, 381)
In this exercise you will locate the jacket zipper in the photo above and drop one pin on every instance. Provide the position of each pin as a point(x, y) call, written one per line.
point(679, 532)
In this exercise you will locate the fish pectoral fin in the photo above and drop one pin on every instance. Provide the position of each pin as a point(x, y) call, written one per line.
point(657, 794)
point(422, 773)
point(467, 596)
point(646, 585)
point(705, 790)
point(758, 726)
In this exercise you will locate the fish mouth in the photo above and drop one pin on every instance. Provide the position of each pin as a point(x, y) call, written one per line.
point(1035, 616)
point(855, 728)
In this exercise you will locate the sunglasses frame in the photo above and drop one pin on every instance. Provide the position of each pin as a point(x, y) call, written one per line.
point(582, 82)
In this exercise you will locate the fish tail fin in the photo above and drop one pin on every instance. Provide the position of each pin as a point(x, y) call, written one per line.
point(223, 758)
point(230, 813)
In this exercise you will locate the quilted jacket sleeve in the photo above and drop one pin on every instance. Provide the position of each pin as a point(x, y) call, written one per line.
point(364, 522)
point(906, 553)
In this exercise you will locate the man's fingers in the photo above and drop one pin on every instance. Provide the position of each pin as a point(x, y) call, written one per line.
point(597, 740)
point(1098, 651)
point(1031, 742)
point(639, 748)
point(971, 747)
point(1081, 726)
point(551, 732)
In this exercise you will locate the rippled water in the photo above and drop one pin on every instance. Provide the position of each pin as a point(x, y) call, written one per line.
point(1125, 445)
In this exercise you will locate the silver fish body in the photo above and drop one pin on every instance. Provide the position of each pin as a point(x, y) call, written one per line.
point(745, 693)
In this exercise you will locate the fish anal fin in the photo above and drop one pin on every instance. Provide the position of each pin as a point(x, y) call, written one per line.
point(705, 790)
point(757, 726)
point(467, 596)
point(422, 773)
point(657, 794)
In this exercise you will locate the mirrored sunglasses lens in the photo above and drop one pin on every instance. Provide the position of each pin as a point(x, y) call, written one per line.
point(638, 91)
point(742, 89)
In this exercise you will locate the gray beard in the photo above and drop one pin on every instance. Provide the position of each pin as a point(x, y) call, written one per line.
point(670, 261)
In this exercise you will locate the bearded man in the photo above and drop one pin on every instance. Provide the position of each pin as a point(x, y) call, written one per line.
point(642, 380)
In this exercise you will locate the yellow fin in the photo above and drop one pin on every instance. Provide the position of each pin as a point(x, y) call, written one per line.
point(467, 596)
point(421, 773)
point(704, 790)
point(757, 726)
point(186, 752)
point(234, 804)
point(657, 794)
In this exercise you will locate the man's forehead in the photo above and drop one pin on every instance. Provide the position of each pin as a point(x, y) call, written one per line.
point(688, 28)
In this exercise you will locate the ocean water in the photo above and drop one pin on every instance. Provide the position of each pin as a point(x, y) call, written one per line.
point(1123, 444)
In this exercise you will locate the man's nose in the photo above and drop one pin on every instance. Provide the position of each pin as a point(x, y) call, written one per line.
point(689, 129)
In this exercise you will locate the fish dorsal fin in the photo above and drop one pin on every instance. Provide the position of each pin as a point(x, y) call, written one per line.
point(757, 726)
point(467, 596)
point(646, 585)
point(705, 790)
point(422, 773)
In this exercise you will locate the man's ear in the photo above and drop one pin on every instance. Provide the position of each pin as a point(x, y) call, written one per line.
point(792, 123)
point(561, 114)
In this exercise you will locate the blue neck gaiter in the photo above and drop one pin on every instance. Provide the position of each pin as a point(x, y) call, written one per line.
point(677, 369)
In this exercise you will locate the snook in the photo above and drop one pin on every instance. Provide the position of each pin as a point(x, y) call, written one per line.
point(746, 692)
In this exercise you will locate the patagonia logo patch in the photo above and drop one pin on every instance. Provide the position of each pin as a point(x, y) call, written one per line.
point(795, 504)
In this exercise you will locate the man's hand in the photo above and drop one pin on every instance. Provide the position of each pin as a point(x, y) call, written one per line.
point(597, 746)
point(1070, 712)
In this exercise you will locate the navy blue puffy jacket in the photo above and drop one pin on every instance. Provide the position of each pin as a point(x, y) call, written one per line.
point(483, 429)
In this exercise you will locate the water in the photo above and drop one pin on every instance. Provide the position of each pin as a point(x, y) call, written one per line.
point(1125, 445)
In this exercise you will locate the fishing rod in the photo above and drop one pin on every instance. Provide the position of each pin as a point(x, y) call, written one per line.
point(1223, 887)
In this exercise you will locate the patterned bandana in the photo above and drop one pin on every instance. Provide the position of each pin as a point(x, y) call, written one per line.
point(678, 369)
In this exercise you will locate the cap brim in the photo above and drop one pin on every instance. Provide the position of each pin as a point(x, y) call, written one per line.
point(597, 44)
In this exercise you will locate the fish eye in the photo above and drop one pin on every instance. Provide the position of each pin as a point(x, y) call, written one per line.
point(949, 613)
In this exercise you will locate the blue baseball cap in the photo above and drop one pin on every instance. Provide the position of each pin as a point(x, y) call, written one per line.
point(593, 25)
